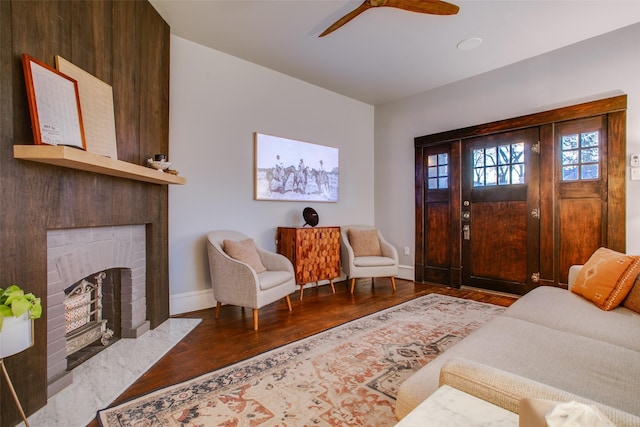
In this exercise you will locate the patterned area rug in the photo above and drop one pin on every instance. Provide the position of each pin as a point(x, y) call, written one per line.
point(346, 376)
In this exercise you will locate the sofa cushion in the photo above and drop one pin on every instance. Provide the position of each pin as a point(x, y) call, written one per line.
point(607, 278)
point(364, 242)
point(632, 302)
point(560, 309)
point(593, 369)
point(244, 251)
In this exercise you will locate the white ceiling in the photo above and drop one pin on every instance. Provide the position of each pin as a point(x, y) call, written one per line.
point(385, 53)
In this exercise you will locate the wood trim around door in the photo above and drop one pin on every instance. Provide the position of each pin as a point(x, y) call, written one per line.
point(615, 231)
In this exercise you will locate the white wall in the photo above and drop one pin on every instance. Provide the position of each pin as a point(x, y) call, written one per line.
point(217, 102)
point(605, 66)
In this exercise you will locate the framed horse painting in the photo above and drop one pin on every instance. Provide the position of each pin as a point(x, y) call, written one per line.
point(286, 169)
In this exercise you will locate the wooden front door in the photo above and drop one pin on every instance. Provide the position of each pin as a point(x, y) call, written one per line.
point(479, 190)
point(500, 211)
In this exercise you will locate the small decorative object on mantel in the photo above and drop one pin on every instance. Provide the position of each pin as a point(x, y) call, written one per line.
point(17, 311)
point(310, 216)
point(160, 165)
point(158, 162)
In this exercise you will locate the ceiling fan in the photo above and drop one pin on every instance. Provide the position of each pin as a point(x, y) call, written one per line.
point(433, 7)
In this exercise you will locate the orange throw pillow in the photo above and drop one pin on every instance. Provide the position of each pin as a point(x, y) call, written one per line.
point(364, 242)
point(607, 277)
point(244, 251)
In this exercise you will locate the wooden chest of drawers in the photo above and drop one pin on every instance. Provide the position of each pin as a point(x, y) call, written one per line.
point(313, 251)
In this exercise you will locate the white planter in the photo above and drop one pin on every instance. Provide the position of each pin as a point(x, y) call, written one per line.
point(16, 335)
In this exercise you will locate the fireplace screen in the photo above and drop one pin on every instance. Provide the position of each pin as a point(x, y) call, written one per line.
point(83, 315)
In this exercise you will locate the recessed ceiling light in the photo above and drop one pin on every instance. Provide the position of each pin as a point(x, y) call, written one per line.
point(470, 43)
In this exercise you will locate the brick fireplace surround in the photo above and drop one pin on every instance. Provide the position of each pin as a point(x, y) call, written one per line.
point(73, 254)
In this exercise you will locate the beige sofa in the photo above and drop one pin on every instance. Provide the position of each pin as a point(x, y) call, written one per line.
point(550, 344)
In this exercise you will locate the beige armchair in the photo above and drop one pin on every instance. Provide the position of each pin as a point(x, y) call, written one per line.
point(365, 253)
point(243, 278)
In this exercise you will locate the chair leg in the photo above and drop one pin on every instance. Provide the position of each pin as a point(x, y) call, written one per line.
point(255, 319)
point(393, 283)
point(218, 305)
point(301, 291)
point(333, 288)
point(288, 302)
point(353, 284)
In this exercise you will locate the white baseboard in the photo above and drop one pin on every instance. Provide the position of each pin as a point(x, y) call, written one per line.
point(191, 301)
point(406, 272)
point(202, 300)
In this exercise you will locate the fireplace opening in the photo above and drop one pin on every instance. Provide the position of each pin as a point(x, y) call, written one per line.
point(92, 316)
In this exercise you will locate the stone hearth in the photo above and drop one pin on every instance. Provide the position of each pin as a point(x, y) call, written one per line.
point(73, 254)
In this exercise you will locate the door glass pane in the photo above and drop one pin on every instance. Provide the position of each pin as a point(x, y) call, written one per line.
point(517, 151)
point(478, 177)
point(491, 176)
point(490, 156)
point(589, 171)
point(433, 183)
point(433, 171)
point(504, 154)
point(569, 142)
point(570, 157)
point(589, 139)
point(432, 161)
point(443, 182)
point(569, 173)
point(589, 155)
point(478, 157)
point(517, 174)
point(443, 159)
point(503, 175)
point(580, 156)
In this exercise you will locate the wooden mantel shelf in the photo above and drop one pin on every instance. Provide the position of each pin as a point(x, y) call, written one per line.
point(77, 159)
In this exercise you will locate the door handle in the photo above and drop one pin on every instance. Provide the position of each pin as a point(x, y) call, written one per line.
point(466, 232)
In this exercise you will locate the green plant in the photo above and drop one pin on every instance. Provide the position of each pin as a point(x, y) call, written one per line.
point(14, 303)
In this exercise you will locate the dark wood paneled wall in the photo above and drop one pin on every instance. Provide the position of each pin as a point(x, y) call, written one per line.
point(126, 44)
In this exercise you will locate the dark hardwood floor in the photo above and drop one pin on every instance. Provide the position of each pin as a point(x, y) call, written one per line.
point(216, 343)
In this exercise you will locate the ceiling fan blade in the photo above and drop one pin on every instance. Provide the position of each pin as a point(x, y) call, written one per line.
point(348, 17)
point(432, 7)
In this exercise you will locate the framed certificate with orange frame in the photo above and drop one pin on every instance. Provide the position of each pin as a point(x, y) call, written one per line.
point(54, 105)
